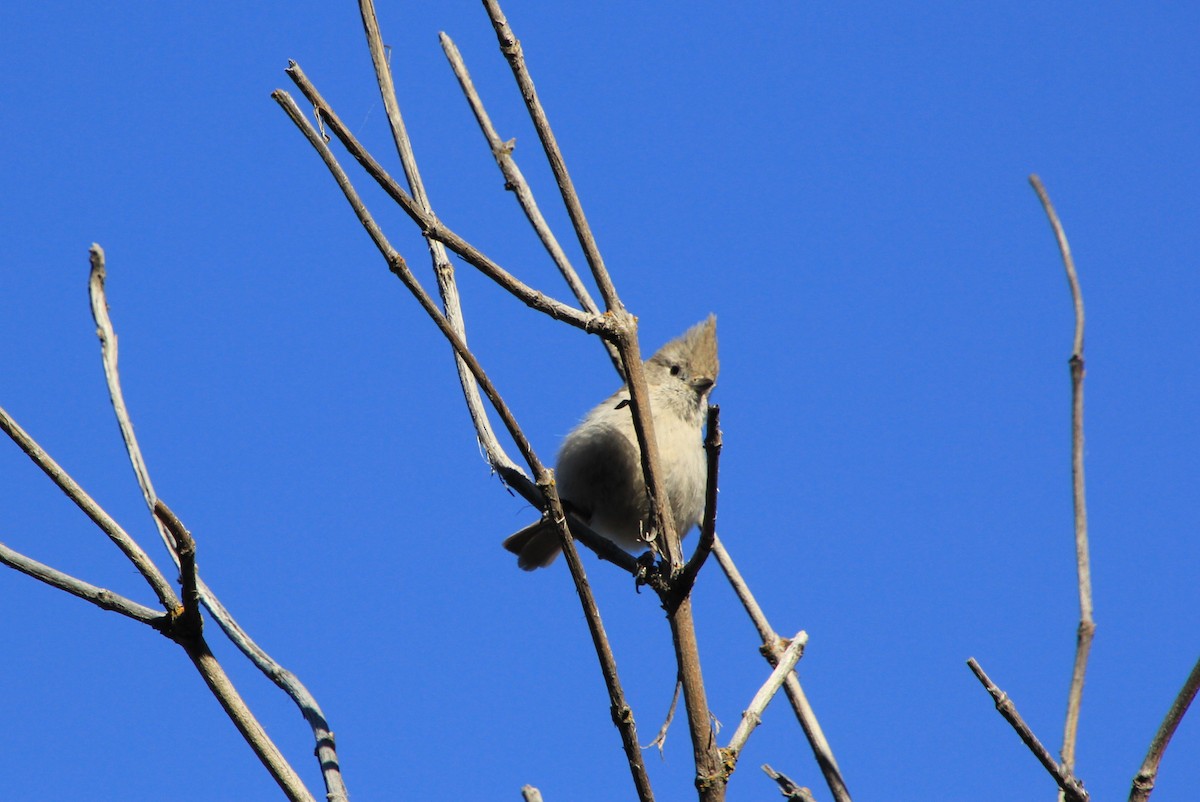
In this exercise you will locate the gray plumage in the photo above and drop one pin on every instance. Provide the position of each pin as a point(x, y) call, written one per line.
point(599, 468)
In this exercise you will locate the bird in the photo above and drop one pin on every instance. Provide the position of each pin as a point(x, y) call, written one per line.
point(598, 471)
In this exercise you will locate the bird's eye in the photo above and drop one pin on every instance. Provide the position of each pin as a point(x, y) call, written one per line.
point(675, 370)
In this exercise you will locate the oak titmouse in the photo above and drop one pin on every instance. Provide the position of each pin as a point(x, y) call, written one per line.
point(599, 469)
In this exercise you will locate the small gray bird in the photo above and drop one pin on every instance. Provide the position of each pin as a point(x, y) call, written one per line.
point(599, 468)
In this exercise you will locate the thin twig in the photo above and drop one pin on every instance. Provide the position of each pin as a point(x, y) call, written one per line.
point(1071, 787)
point(514, 179)
point(511, 48)
point(109, 357)
point(682, 585)
point(442, 268)
point(660, 739)
point(101, 597)
point(752, 716)
point(792, 791)
point(288, 682)
point(1087, 625)
point(1143, 782)
point(432, 227)
point(128, 546)
point(772, 648)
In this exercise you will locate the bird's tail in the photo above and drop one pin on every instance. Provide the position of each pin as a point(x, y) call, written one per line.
point(536, 545)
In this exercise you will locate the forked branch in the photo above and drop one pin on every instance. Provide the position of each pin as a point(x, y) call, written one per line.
point(1071, 788)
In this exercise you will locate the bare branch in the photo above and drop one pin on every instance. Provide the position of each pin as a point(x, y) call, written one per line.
point(443, 270)
point(235, 707)
point(514, 179)
point(101, 597)
point(108, 355)
point(325, 751)
point(1071, 787)
point(433, 228)
point(660, 739)
point(772, 650)
point(511, 48)
point(1143, 782)
point(146, 567)
point(793, 791)
point(682, 585)
point(752, 717)
point(1087, 625)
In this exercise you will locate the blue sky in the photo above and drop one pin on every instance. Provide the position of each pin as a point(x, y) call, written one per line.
point(843, 185)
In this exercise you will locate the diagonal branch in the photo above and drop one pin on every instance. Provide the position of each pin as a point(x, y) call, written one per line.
point(433, 228)
point(128, 546)
point(772, 650)
point(442, 269)
point(1071, 788)
point(752, 716)
point(511, 48)
point(101, 597)
point(1143, 782)
point(1087, 625)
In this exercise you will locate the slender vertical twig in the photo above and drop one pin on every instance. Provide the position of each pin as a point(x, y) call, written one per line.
point(514, 180)
point(1087, 625)
point(682, 585)
point(442, 269)
point(511, 48)
point(1143, 782)
point(1068, 784)
point(772, 649)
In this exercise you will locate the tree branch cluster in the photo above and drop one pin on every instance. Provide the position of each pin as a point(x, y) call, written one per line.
point(673, 577)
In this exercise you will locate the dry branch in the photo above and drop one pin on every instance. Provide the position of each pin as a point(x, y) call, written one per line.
point(790, 789)
point(772, 650)
point(128, 546)
point(101, 597)
point(1071, 788)
point(752, 717)
point(289, 683)
point(1143, 782)
point(1087, 625)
